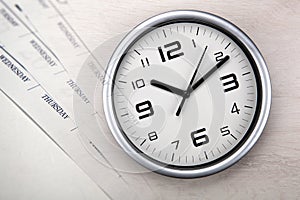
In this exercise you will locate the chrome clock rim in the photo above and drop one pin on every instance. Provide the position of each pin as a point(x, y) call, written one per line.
point(224, 26)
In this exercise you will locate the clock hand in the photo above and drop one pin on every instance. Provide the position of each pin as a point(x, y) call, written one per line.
point(188, 90)
point(209, 73)
point(167, 87)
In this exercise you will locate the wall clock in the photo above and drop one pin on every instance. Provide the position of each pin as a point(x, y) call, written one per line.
point(188, 94)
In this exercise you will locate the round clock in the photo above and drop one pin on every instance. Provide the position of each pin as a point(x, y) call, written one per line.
point(187, 94)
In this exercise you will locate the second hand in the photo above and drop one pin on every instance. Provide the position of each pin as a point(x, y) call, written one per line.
point(188, 90)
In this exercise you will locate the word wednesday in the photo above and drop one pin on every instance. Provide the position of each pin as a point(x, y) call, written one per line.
point(14, 68)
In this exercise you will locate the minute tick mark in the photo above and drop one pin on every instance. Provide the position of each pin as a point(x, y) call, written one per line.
point(137, 52)
point(194, 44)
point(164, 33)
point(205, 155)
point(242, 126)
point(120, 81)
point(147, 147)
point(217, 37)
point(223, 41)
point(241, 60)
point(172, 159)
point(227, 45)
point(229, 142)
point(237, 55)
point(233, 137)
point(124, 114)
point(143, 142)
point(128, 62)
point(244, 74)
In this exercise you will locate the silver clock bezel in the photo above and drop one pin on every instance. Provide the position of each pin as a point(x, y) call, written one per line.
point(187, 16)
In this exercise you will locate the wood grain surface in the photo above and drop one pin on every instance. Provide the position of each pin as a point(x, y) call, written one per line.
point(271, 170)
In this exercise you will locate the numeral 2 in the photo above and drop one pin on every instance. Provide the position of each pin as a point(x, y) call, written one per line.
point(219, 56)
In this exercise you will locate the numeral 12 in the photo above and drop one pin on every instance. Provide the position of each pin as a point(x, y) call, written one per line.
point(171, 53)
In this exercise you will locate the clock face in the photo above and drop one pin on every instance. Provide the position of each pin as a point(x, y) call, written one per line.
point(185, 95)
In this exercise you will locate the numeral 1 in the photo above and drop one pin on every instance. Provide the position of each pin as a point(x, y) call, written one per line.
point(161, 53)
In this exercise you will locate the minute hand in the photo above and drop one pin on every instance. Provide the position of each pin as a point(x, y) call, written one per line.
point(209, 73)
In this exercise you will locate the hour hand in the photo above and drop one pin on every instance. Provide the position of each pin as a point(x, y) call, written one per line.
point(167, 87)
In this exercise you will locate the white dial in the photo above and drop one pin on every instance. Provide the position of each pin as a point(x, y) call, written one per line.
point(185, 95)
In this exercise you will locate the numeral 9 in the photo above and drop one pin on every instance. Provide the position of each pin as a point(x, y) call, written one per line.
point(144, 107)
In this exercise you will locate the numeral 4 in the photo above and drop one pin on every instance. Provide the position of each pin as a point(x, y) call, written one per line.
point(235, 108)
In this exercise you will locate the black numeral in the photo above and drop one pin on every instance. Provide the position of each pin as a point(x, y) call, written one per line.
point(152, 136)
point(144, 107)
point(199, 138)
point(230, 82)
point(171, 53)
point(176, 142)
point(145, 62)
point(219, 56)
point(138, 84)
point(225, 131)
point(235, 109)
point(161, 53)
